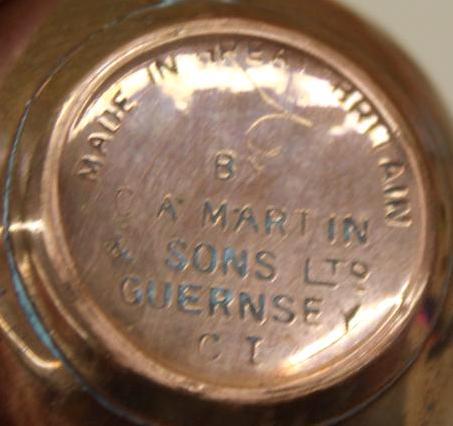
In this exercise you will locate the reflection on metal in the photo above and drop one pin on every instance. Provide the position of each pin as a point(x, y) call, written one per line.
point(35, 360)
point(34, 227)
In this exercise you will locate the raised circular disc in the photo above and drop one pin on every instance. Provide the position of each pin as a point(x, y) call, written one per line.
point(237, 213)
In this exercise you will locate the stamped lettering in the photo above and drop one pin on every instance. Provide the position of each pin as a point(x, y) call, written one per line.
point(247, 204)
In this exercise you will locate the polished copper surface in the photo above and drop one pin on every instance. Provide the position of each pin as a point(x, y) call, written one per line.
point(220, 213)
point(232, 211)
